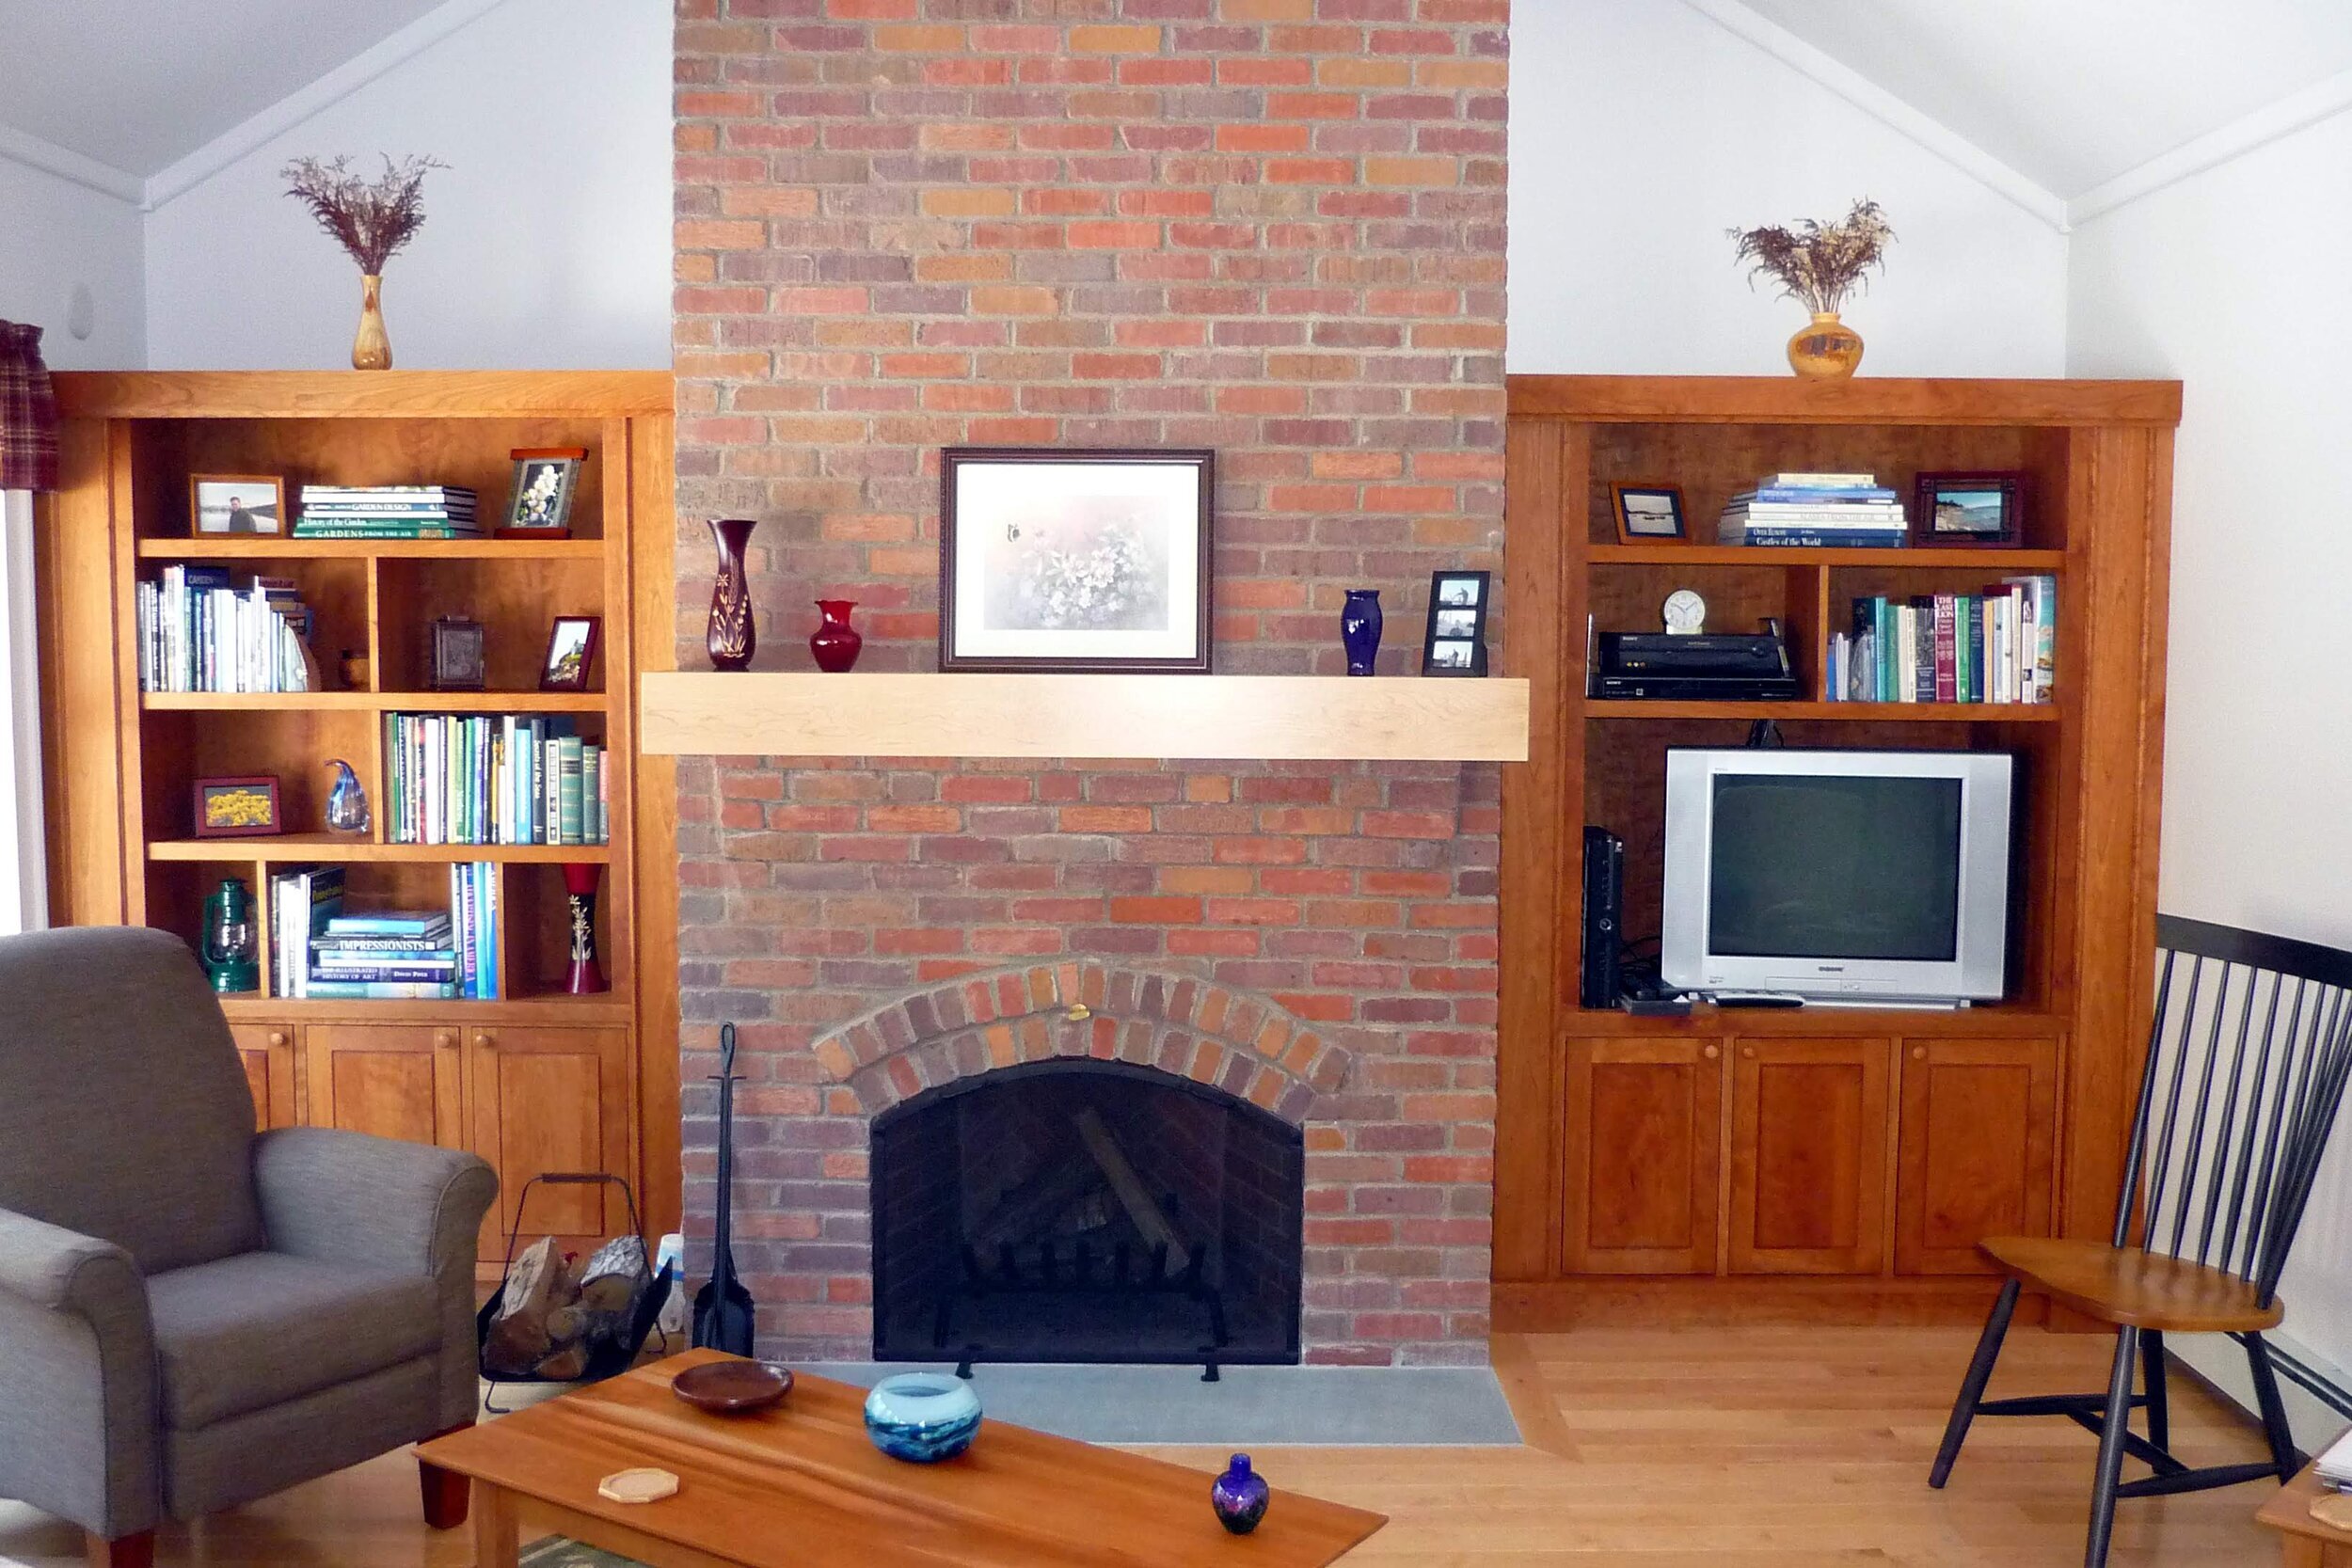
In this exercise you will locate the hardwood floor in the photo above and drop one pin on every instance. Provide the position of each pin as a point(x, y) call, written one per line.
point(1744, 1447)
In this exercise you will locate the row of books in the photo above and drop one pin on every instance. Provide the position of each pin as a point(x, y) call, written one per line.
point(199, 630)
point(1813, 508)
point(318, 951)
point(388, 511)
point(1997, 646)
point(488, 778)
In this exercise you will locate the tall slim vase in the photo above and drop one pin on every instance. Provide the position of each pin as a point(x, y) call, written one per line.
point(371, 350)
point(579, 891)
point(732, 639)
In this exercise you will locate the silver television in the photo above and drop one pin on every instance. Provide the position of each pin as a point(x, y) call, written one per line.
point(1874, 878)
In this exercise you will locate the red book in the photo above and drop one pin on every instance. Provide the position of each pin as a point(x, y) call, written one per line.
point(1947, 649)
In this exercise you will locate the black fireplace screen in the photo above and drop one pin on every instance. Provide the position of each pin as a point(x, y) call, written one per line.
point(1086, 1210)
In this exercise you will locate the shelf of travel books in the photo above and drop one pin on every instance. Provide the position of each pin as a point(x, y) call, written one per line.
point(276, 547)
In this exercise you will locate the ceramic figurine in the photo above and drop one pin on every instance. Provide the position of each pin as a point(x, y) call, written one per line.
point(922, 1416)
point(1240, 1495)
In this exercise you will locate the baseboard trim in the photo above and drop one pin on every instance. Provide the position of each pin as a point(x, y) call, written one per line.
point(1557, 1305)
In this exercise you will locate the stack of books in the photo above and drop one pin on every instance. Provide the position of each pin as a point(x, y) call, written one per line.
point(385, 955)
point(387, 512)
point(1997, 646)
point(487, 778)
point(200, 631)
point(1842, 510)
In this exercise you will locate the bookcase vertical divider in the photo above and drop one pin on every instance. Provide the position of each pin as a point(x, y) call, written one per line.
point(374, 645)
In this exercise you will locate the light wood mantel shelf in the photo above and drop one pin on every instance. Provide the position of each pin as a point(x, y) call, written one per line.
point(1400, 719)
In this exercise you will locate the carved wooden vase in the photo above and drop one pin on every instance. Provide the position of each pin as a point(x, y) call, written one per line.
point(371, 350)
point(732, 639)
point(1826, 349)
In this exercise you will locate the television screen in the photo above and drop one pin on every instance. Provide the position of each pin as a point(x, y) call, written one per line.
point(1820, 866)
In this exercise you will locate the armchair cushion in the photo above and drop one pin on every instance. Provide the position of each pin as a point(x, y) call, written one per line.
point(247, 1331)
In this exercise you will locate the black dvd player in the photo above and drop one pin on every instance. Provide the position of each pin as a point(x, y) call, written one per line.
point(1705, 666)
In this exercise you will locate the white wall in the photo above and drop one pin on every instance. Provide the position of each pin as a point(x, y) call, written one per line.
point(2232, 281)
point(1641, 132)
point(54, 235)
point(546, 243)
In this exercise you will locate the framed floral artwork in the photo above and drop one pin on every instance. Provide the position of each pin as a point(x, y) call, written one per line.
point(1075, 560)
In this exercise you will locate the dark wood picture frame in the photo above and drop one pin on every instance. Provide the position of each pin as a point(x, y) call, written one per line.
point(526, 458)
point(1478, 608)
point(1619, 491)
point(578, 681)
point(456, 655)
point(2009, 482)
point(200, 791)
point(280, 524)
point(954, 460)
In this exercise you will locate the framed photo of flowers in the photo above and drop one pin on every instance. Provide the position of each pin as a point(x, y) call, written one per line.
point(1075, 560)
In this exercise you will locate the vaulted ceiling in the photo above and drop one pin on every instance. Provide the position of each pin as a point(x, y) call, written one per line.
point(139, 84)
point(2072, 93)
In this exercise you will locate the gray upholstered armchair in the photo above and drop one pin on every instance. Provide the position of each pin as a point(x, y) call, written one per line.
point(192, 1316)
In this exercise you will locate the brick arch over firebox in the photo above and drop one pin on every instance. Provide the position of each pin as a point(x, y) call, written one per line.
point(1243, 1044)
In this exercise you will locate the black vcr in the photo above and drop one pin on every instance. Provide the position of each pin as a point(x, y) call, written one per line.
point(1705, 667)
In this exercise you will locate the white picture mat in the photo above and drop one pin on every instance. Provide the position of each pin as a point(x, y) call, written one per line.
point(989, 495)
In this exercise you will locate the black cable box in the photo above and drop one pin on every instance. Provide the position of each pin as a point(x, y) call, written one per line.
point(1708, 667)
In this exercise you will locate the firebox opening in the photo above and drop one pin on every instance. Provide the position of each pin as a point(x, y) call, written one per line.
point(1086, 1210)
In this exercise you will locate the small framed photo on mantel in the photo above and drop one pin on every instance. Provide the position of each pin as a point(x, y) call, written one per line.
point(1075, 560)
point(1457, 642)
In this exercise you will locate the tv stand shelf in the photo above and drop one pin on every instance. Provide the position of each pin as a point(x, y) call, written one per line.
point(1822, 1164)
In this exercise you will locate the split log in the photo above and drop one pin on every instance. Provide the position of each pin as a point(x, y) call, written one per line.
point(1142, 1208)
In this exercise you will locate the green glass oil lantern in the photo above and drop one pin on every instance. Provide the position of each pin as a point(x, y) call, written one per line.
point(231, 954)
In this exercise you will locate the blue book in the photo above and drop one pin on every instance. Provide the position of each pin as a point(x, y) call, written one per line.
point(390, 923)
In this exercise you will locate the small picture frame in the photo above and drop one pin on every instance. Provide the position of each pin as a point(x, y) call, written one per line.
point(454, 654)
point(1077, 558)
point(571, 652)
point(237, 808)
point(1970, 511)
point(1455, 643)
point(228, 504)
point(1648, 513)
point(540, 504)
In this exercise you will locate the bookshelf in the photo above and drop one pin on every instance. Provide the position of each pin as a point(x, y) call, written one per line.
point(1822, 1164)
point(538, 1079)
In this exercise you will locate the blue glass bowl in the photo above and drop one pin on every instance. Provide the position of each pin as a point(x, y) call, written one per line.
point(922, 1416)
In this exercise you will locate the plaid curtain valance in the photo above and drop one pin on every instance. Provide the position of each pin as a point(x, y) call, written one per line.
point(28, 412)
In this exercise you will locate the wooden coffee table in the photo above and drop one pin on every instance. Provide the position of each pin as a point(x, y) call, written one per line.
point(2303, 1540)
point(800, 1486)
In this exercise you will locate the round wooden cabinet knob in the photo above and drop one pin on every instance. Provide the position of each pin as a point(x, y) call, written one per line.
point(1712, 1051)
point(1918, 1053)
point(278, 1036)
point(445, 1040)
point(485, 1041)
point(1748, 1053)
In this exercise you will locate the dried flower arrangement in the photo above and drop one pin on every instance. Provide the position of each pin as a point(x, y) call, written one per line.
point(370, 219)
point(1818, 263)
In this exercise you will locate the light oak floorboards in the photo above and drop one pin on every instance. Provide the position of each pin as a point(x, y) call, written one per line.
point(1744, 1447)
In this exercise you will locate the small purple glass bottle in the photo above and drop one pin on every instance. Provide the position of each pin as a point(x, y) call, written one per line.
point(1359, 629)
point(1239, 1496)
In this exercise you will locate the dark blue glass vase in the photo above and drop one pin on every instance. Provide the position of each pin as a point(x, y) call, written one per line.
point(1359, 629)
point(1240, 1495)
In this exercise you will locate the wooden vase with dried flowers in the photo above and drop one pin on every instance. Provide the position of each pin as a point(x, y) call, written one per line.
point(370, 219)
point(1819, 264)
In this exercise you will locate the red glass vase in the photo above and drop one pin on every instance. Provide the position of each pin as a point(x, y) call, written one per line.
point(836, 641)
point(579, 886)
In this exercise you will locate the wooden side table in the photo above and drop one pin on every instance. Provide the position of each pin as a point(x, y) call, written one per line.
point(2303, 1540)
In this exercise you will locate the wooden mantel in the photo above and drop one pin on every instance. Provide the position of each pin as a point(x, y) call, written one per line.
point(1255, 717)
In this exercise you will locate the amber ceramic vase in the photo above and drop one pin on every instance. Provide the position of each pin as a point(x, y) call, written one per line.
point(1826, 349)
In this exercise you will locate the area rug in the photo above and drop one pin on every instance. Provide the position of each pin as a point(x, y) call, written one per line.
point(556, 1552)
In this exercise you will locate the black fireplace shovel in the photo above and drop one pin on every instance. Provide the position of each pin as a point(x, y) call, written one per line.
point(723, 1307)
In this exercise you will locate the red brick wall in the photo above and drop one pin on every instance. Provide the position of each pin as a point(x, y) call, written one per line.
point(1269, 227)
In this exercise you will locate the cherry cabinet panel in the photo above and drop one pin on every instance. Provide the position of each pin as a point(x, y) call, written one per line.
point(1644, 1120)
point(544, 1099)
point(1808, 1156)
point(394, 1080)
point(1979, 1122)
point(270, 1053)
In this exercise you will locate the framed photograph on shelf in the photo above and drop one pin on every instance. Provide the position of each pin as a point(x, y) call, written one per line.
point(540, 504)
point(571, 652)
point(1981, 511)
point(1075, 560)
point(237, 808)
point(1456, 641)
point(237, 503)
point(1647, 514)
point(456, 655)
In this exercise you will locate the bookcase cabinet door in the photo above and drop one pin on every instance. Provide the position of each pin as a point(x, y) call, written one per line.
point(394, 1080)
point(269, 1051)
point(1643, 1131)
point(1979, 1120)
point(1808, 1156)
point(550, 1099)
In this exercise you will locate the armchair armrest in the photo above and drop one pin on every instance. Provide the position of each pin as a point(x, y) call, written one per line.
point(77, 1379)
point(374, 1203)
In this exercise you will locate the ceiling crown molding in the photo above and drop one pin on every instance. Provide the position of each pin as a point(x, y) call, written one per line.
point(23, 147)
point(295, 107)
point(1883, 106)
point(2321, 101)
